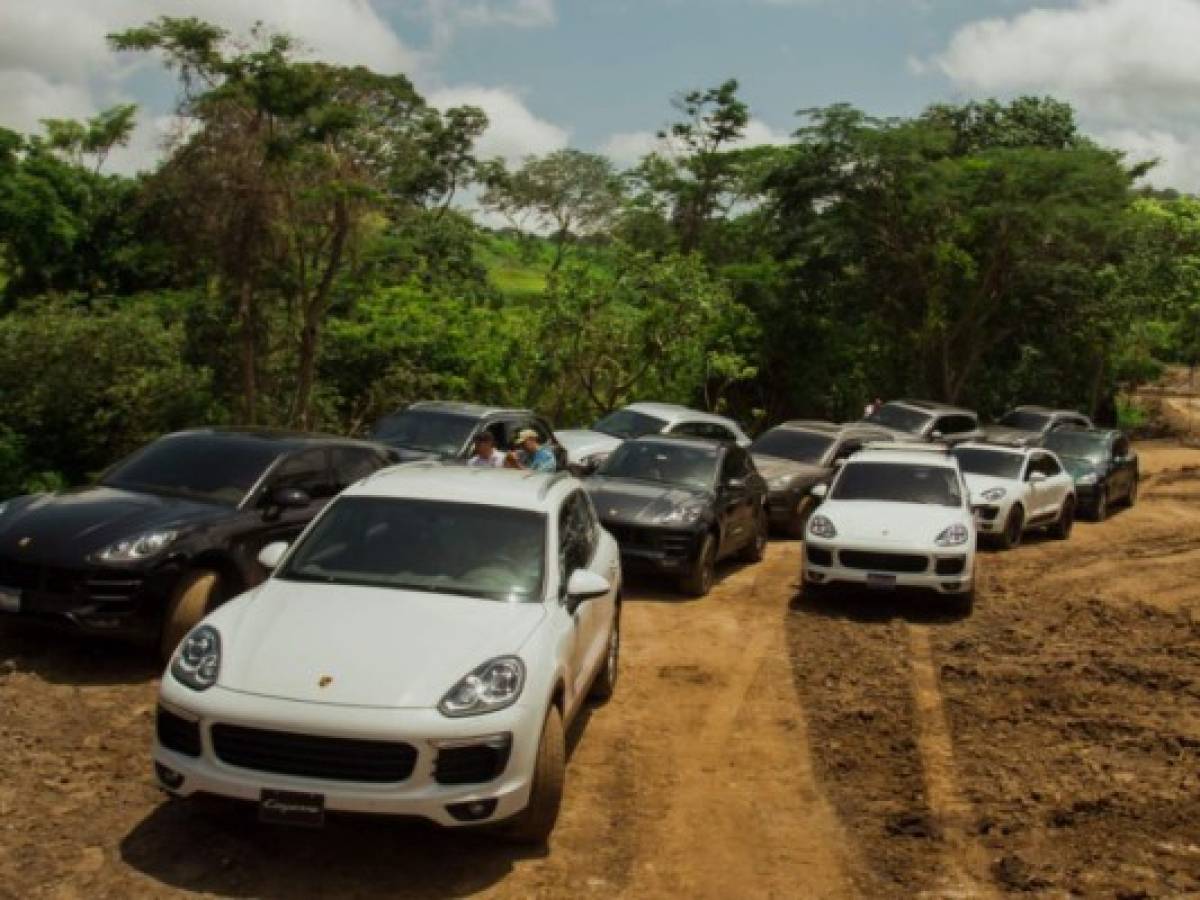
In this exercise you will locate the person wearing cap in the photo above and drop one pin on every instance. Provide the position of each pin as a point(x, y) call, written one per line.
point(485, 455)
point(530, 454)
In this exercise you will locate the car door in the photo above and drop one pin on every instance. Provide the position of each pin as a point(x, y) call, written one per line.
point(1059, 483)
point(579, 538)
point(1041, 500)
point(309, 471)
point(735, 500)
point(1124, 467)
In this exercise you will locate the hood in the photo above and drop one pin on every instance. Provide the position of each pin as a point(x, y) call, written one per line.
point(380, 647)
point(1002, 434)
point(640, 502)
point(581, 443)
point(64, 529)
point(909, 524)
point(978, 484)
point(772, 467)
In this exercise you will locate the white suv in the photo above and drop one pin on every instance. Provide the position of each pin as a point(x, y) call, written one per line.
point(419, 651)
point(896, 516)
point(1015, 489)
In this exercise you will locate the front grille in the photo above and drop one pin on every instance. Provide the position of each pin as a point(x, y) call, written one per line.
point(883, 562)
point(177, 733)
point(312, 756)
point(61, 589)
point(474, 764)
point(954, 565)
point(819, 557)
point(632, 537)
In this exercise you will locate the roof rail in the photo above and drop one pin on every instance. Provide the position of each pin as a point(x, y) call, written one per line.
point(909, 447)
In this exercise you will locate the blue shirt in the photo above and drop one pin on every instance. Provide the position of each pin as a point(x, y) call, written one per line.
point(541, 460)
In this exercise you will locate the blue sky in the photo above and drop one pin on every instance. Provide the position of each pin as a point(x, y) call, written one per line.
point(599, 74)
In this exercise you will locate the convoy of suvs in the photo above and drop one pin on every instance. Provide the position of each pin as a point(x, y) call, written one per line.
point(373, 627)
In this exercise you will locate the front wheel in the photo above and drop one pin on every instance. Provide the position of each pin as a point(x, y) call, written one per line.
point(535, 823)
point(1100, 510)
point(1131, 498)
point(606, 680)
point(1061, 530)
point(1014, 529)
point(699, 580)
point(756, 547)
point(196, 595)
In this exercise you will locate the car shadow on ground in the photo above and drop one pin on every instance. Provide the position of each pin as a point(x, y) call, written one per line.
point(219, 847)
point(66, 658)
point(861, 605)
point(647, 587)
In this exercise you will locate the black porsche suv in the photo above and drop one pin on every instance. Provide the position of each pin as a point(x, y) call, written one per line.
point(678, 505)
point(171, 531)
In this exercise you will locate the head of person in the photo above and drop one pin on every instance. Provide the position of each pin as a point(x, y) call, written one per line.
point(485, 444)
point(527, 440)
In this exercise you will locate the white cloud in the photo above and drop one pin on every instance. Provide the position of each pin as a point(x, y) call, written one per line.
point(513, 130)
point(627, 147)
point(1129, 66)
point(447, 16)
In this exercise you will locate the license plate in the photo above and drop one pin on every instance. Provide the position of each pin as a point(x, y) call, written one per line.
point(881, 582)
point(291, 808)
point(10, 600)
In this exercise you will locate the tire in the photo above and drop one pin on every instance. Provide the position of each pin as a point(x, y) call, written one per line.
point(535, 823)
point(1132, 497)
point(1014, 529)
point(756, 548)
point(605, 681)
point(197, 593)
point(1100, 507)
point(1061, 529)
point(699, 581)
point(799, 523)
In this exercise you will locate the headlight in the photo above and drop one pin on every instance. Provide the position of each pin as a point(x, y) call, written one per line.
point(994, 494)
point(494, 685)
point(683, 515)
point(1089, 479)
point(3, 508)
point(820, 526)
point(953, 536)
point(198, 659)
point(138, 548)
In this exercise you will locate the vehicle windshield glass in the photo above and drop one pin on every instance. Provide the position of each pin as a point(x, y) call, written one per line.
point(1025, 421)
point(432, 546)
point(690, 466)
point(994, 463)
point(432, 432)
point(898, 483)
point(1078, 445)
point(213, 468)
point(901, 418)
point(798, 446)
point(625, 423)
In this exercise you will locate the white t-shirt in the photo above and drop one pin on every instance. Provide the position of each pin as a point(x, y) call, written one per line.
point(495, 461)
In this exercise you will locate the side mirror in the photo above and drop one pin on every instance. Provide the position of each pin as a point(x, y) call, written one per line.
point(584, 585)
point(820, 491)
point(291, 498)
point(271, 555)
point(1037, 477)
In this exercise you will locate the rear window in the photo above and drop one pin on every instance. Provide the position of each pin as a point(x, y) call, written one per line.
point(898, 483)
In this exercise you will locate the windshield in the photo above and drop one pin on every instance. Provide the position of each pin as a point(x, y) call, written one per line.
point(901, 418)
point(212, 468)
point(798, 446)
point(1078, 445)
point(625, 423)
point(433, 432)
point(433, 546)
point(694, 467)
point(899, 483)
point(1025, 421)
point(995, 463)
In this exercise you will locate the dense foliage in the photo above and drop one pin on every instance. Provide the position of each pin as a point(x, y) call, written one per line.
point(298, 260)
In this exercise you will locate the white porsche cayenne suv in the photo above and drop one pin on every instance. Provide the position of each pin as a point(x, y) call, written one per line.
point(1017, 489)
point(419, 651)
point(895, 516)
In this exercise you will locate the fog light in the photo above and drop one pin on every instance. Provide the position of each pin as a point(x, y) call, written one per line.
point(472, 810)
point(169, 778)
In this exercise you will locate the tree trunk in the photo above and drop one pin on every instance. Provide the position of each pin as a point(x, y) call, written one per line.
point(248, 334)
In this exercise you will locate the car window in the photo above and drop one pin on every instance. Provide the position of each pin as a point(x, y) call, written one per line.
point(955, 425)
point(901, 418)
point(308, 471)
point(625, 423)
point(735, 465)
point(1050, 466)
point(1037, 463)
point(574, 535)
point(425, 430)
point(710, 430)
point(1121, 447)
point(516, 426)
point(1024, 420)
point(848, 448)
point(499, 434)
point(351, 464)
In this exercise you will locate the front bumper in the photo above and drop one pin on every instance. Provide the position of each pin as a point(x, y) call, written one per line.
point(657, 549)
point(949, 570)
point(417, 795)
point(100, 600)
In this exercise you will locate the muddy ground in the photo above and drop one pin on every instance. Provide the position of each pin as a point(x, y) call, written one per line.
point(760, 744)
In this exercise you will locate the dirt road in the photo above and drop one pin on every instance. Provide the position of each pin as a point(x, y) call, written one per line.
point(759, 745)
